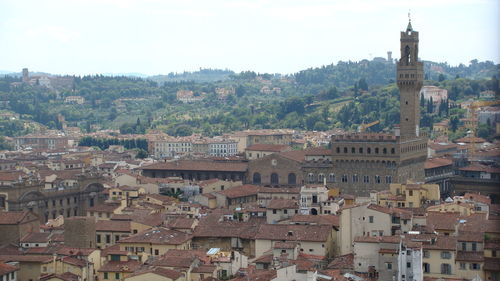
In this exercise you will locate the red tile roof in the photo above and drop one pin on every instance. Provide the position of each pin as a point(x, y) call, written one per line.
point(240, 191)
point(121, 266)
point(168, 273)
point(7, 268)
point(331, 220)
point(113, 226)
point(16, 217)
point(199, 165)
point(295, 155)
point(481, 168)
point(312, 233)
point(432, 163)
point(158, 235)
point(283, 204)
point(36, 237)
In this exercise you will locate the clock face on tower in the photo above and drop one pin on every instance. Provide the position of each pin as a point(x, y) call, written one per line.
point(274, 162)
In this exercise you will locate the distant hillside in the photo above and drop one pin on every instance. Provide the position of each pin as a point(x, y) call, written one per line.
point(382, 72)
point(203, 75)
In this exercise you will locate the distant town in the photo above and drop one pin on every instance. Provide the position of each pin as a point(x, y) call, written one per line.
point(249, 177)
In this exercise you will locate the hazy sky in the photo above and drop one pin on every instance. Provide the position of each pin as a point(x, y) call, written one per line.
point(161, 36)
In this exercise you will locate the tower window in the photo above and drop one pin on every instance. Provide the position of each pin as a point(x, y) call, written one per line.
point(406, 102)
point(376, 150)
point(353, 150)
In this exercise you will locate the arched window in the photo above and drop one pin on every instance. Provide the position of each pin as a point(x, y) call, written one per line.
point(360, 150)
point(445, 268)
point(369, 150)
point(292, 179)
point(321, 177)
point(256, 178)
point(353, 150)
point(275, 178)
point(310, 178)
point(331, 177)
point(393, 151)
point(376, 150)
point(345, 149)
point(384, 150)
point(338, 149)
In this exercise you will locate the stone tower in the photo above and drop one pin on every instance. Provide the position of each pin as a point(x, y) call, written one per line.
point(79, 232)
point(410, 73)
point(26, 75)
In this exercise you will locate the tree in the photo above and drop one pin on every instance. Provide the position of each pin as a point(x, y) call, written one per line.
point(454, 123)
point(362, 84)
point(141, 154)
point(441, 77)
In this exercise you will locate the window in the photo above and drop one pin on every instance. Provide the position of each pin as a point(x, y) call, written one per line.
point(462, 265)
point(377, 179)
point(98, 238)
point(366, 179)
point(274, 211)
point(369, 150)
point(157, 252)
point(108, 238)
point(445, 255)
point(445, 268)
point(292, 179)
point(105, 275)
point(117, 276)
point(388, 179)
point(344, 178)
point(370, 219)
point(275, 178)
point(117, 238)
point(464, 246)
point(337, 149)
point(360, 150)
point(355, 178)
point(474, 246)
point(376, 150)
point(410, 193)
point(345, 149)
point(388, 265)
point(331, 177)
point(256, 178)
point(475, 266)
point(494, 253)
point(310, 178)
point(426, 267)
point(408, 264)
point(321, 178)
point(353, 150)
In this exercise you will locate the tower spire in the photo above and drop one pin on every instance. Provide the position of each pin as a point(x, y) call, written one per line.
point(409, 27)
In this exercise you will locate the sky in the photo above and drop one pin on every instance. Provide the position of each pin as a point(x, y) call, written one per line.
point(274, 36)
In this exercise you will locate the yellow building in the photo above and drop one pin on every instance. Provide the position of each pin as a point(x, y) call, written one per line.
point(409, 195)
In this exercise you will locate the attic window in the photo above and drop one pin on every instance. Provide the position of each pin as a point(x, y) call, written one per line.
point(290, 233)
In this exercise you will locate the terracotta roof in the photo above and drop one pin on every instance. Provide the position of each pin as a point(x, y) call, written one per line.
point(404, 214)
point(312, 233)
point(240, 191)
point(11, 175)
point(113, 226)
point(269, 147)
point(295, 155)
point(378, 239)
point(283, 204)
point(288, 190)
point(470, 236)
point(480, 168)
point(470, 256)
point(105, 208)
point(197, 165)
point(432, 163)
point(493, 245)
point(342, 262)
point(491, 264)
point(16, 217)
point(66, 276)
point(267, 258)
point(121, 266)
point(158, 235)
point(477, 198)
point(7, 268)
point(332, 220)
point(74, 261)
point(205, 268)
point(210, 228)
point(36, 237)
point(180, 223)
point(168, 273)
point(113, 250)
point(70, 251)
point(442, 242)
point(26, 258)
point(442, 221)
point(470, 140)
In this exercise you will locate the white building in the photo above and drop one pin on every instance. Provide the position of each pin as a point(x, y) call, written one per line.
point(219, 147)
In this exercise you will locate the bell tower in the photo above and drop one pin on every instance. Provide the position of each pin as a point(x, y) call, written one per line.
point(410, 73)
